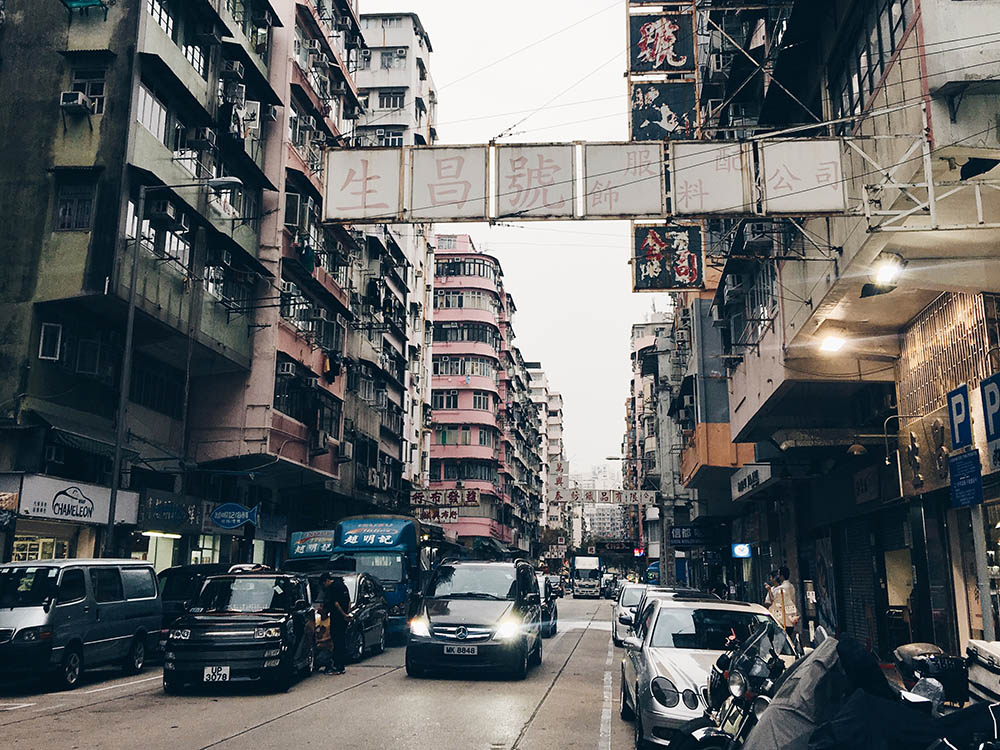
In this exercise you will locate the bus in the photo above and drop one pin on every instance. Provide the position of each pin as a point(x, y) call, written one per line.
point(397, 550)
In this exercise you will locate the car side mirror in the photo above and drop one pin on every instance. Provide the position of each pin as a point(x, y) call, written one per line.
point(632, 643)
point(625, 619)
point(301, 604)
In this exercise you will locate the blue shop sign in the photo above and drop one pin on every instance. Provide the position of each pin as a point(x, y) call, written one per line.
point(312, 543)
point(966, 479)
point(380, 533)
point(234, 515)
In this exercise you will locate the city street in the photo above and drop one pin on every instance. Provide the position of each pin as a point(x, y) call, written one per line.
point(569, 702)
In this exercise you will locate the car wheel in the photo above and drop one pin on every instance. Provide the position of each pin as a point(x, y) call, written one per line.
point(355, 645)
point(380, 646)
point(286, 676)
point(172, 687)
point(412, 670)
point(521, 668)
point(310, 666)
point(624, 710)
point(640, 739)
point(553, 626)
point(70, 669)
point(135, 659)
point(536, 655)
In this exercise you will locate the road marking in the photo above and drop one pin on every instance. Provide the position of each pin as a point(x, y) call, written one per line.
point(123, 684)
point(14, 706)
point(605, 743)
point(51, 708)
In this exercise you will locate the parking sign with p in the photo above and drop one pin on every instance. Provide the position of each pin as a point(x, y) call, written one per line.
point(989, 389)
point(959, 418)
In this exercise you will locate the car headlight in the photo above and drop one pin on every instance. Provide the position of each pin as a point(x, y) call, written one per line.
point(271, 631)
point(664, 692)
point(737, 684)
point(420, 627)
point(398, 609)
point(690, 698)
point(180, 634)
point(508, 630)
point(32, 635)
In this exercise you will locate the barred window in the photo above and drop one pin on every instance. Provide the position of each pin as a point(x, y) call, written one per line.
point(161, 13)
point(90, 81)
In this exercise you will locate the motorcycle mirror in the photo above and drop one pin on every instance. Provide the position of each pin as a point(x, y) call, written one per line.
point(632, 644)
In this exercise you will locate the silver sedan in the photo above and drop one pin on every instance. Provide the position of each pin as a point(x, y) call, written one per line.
point(628, 598)
point(668, 658)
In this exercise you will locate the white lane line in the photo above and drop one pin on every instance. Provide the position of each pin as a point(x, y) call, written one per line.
point(605, 743)
point(50, 708)
point(14, 706)
point(121, 685)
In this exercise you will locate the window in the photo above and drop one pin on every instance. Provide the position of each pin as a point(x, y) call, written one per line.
point(157, 386)
point(73, 586)
point(390, 138)
point(447, 435)
point(466, 435)
point(75, 210)
point(50, 342)
point(486, 437)
point(446, 243)
point(444, 400)
point(160, 12)
point(152, 114)
point(90, 81)
point(107, 584)
point(388, 59)
point(482, 400)
point(139, 583)
point(391, 99)
point(365, 63)
point(392, 22)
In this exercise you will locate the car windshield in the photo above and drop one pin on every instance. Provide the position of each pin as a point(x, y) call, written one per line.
point(244, 595)
point(474, 581)
point(631, 596)
point(27, 587)
point(588, 575)
point(180, 585)
point(386, 566)
point(705, 629)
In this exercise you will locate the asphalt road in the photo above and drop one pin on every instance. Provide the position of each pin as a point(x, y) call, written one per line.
point(570, 701)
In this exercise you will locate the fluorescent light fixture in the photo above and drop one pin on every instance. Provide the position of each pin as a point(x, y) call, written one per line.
point(888, 269)
point(832, 344)
point(161, 534)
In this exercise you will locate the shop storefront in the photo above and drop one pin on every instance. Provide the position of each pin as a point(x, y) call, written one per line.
point(169, 528)
point(62, 518)
point(231, 532)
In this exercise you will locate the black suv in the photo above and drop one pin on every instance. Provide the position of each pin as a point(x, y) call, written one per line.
point(475, 616)
point(243, 626)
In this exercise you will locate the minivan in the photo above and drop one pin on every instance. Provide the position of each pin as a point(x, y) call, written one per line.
point(63, 616)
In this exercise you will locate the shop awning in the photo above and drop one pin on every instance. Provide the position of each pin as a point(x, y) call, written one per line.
point(82, 437)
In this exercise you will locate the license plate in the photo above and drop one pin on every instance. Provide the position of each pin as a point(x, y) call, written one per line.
point(216, 674)
point(461, 650)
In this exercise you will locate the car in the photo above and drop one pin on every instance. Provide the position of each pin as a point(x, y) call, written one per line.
point(179, 586)
point(628, 599)
point(477, 616)
point(369, 629)
point(550, 613)
point(243, 626)
point(670, 592)
point(59, 617)
point(556, 582)
point(668, 659)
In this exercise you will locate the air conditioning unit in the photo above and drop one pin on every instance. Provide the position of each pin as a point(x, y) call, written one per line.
point(317, 313)
point(683, 415)
point(55, 454)
point(380, 131)
point(75, 103)
point(345, 451)
point(401, 52)
point(758, 228)
point(683, 337)
point(200, 138)
point(307, 123)
point(319, 138)
point(718, 320)
point(207, 35)
point(344, 24)
point(162, 213)
point(217, 257)
point(271, 113)
point(322, 444)
point(366, 54)
point(232, 70)
point(718, 62)
point(312, 382)
point(236, 94)
point(286, 369)
point(184, 223)
point(688, 401)
point(314, 47)
point(288, 287)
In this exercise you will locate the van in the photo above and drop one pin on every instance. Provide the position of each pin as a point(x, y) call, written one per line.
point(63, 616)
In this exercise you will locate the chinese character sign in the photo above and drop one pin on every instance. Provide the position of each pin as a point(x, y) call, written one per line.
point(663, 111)
point(666, 257)
point(363, 184)
point(624, 178)
point(802, 177)
point(708, 178)
point(449, 183)
point(662, 43)
point(535, 181)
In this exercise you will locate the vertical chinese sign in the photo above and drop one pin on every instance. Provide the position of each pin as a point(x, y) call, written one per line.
point(662, 111)
point(363, 184)
point(535, 181)
point(662, 43)
point(667, 257)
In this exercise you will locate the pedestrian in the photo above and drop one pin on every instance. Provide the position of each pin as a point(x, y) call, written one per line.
point(337, 607)
point(780, 599)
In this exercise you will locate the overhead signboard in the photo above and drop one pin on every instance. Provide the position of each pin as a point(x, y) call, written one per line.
point(449, 182)
point(661, 43)
point(802, 176)
point(661, 111)
point(68, 500)
point(536, 181)
point(667, 257)
point(709, 178)
point(686, 535)
point(747, 480)
point(438, 515)
point(468, 498)
point(363, 184)
point(624, 178)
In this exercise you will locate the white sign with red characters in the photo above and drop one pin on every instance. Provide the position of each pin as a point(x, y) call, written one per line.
point(452, 497)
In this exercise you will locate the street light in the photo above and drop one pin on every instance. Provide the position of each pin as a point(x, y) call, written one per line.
point(215, 183)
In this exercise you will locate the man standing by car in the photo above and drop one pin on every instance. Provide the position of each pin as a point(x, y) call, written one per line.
point(336, 606)
point(780, 600)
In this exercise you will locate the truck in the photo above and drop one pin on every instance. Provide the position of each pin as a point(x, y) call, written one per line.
point(586, 577)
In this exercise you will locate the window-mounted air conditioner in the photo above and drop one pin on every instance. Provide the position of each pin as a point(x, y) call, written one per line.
point(345, 450)
point(312, 382)
point(401, 52)
point(271, 113)
point(286, 369)
point(218, 257)
point(75, 103)
point(366, 54)
point(162, 213)
point(207, 35)
point(200, 138)
point(232, 70)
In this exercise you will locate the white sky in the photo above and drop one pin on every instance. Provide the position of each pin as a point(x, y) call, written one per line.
point(570, 280)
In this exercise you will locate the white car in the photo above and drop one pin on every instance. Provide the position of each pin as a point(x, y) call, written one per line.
point(628, 598)
point(669, 656)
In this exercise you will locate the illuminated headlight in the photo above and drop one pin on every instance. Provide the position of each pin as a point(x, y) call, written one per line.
point(272, 663)
point(664, 692)
point(180, 634)
point(508, 630)
point(273, 631)
point(737, 684)
point(420, 627)
point(272, 652)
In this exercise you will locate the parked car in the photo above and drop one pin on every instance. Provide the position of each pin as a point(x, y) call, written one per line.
point(550, 613)
point(368, 630)
point(64, 616)
point(628, 599)
point(179, 587)
point(670, 592)
point(478, 616)
point(669, 656)
point(257, 626)
point(556, 582)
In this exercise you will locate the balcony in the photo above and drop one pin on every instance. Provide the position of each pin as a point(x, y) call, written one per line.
point(710, 457)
